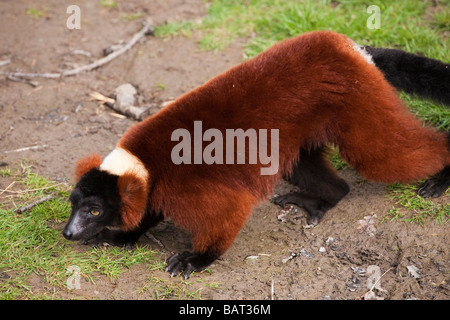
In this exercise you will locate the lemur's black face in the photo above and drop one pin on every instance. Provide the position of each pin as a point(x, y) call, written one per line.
point(95, 206)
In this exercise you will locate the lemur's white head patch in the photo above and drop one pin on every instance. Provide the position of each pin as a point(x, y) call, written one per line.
point(120, 161)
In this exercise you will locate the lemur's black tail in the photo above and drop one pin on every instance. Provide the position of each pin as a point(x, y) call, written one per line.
point(414, 74)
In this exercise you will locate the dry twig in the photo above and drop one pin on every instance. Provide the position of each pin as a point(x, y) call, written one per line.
point(145, 30)
point(25, 149)
point(33, 204)
point(4, 190)
point(30, 190)
point(101, 98)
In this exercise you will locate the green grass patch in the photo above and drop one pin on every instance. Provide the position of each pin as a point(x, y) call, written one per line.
point(414, 208)
point(264, 22)
point(108, 3)
point(432, 113)
point(442, 19)
point(130, 16)
point(164, 289)
point(183, 28)
point(35, 12)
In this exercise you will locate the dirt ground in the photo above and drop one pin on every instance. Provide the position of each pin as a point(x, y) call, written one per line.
point(270, 259)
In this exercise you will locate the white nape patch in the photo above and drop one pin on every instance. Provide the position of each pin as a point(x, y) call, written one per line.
point(363, 52)
point(120, 161)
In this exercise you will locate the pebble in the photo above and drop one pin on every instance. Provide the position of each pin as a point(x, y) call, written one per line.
point(306, 254)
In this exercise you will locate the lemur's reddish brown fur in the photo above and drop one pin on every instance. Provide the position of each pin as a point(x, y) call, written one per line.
point(84, 165)
point(316, 89)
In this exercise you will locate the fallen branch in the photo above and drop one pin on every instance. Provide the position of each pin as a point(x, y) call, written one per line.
point(124, 102)
point(145, 30)
point(101, 98)
point(30, 190)
point(32, 83)
point(25, 149)
point(5, 62)
point(4, 190)
point(33, 204)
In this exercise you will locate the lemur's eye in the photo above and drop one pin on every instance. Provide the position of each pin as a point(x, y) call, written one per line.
point(94, 212)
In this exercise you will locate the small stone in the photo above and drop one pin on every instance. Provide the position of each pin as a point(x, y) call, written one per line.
point(329, 240)
point(306, 254)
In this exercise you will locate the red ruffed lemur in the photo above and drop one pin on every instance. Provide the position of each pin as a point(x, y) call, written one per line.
point(316, 89)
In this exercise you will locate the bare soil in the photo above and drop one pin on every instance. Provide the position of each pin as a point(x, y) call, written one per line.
point(270, 259)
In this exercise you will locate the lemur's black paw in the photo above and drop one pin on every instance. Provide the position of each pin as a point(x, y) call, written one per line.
point(282, 200)
point(309, 204)
point(187, 262)
point(433, 188)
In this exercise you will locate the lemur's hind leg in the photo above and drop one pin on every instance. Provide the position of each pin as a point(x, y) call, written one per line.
point(321, 188)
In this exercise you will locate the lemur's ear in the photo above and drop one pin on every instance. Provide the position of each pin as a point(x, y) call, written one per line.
point(86, 164)
point(133, 196)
